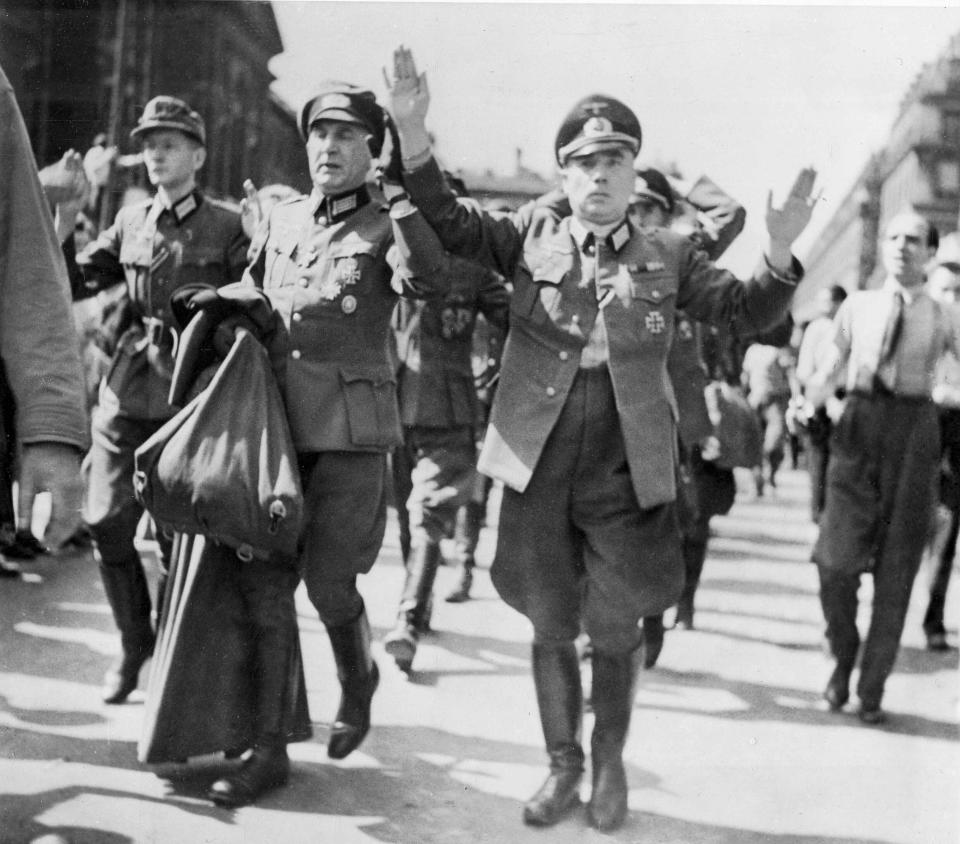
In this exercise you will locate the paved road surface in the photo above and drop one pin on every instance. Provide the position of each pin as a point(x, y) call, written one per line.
point(730, 742)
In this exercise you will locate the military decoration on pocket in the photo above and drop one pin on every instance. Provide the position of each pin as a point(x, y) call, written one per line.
point(346, 272)
point(655, 322)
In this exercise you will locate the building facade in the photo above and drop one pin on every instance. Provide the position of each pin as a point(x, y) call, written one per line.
point(919, 166)
point(85, 67)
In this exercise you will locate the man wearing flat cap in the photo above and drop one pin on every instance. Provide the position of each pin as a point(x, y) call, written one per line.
point(179, 237)
point(582, 431)
point(326, 262)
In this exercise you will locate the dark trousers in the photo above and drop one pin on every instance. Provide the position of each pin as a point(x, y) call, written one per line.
point(111, 509)
point(434, 474)
point(943, 551)
point(345, 516)
point(576, 547)
point(816, 443)
point(880, 493)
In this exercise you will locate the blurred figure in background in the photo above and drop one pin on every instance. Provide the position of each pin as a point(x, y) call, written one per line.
point(943, 284)
point(815, 424)
point(766, 376)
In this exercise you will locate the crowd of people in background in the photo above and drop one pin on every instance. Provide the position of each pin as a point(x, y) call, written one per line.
point(584, 352)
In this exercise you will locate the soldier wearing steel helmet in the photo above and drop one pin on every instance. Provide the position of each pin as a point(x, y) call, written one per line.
point(583, 427)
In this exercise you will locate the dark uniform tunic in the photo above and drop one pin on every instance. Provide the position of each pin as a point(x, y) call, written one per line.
point(436, 466)
point(327, 266)
point(589, 455)
point(154, 251)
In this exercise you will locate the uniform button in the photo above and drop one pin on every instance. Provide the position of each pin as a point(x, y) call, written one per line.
point(575, 319)
point(304, 282)
point(655, 294)
point(295, 354)
point(551, 391)
point(564, 355)
point(297, 317)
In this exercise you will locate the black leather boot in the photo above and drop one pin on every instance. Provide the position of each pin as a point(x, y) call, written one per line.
point(556, 676)
point(469, 518)
point(125, 586)
point(415, 605)
point(613, 688)
point(359, 677)
point(273, 619)
point(652, 639)
point(694, 553)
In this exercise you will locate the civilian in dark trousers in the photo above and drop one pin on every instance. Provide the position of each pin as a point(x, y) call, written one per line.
point(884, 453)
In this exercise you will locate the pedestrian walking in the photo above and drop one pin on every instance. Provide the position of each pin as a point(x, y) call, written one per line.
point(327, 264)
point(438, 406)
point(883, 459)
point(154, 247)
point(582, 430)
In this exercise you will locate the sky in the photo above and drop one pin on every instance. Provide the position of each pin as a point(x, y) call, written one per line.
point(747, 94)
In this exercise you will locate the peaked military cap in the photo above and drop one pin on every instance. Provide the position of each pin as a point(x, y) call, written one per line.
point(597, 121)
point(170, 113)
point(653, 185)
point(335, 100)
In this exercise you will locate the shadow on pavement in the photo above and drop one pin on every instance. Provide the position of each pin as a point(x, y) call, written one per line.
point(18, 813)
point(768, 702)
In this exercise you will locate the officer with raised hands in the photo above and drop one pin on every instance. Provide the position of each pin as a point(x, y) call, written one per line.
point(583, 427)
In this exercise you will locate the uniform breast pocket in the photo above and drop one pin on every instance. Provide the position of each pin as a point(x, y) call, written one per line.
point(351, 262)
point(370, 393)
point(654, 307)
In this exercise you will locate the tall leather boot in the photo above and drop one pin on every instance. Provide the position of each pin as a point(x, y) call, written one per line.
point(125, 586)
point(401, 642)
point(652, 639)
point(613, 687)
point(359, 676)
point(469, 518)
point(556, 676)
point(268, 766)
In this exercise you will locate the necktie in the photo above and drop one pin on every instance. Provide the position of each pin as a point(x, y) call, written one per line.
point(886, 363)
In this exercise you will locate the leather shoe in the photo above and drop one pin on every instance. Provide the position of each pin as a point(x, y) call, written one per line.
point(607, 808)
point(353, 720)
point(265, 769)
point(871, 715)
point(937, 642)
point(557, 796)
point(122, 679)
point(837, 692)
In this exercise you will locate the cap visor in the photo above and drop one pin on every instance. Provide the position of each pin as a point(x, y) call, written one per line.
point(586, 146)
point(336, 114)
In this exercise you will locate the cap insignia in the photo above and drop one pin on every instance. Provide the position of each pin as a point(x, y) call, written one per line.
point(597, 126)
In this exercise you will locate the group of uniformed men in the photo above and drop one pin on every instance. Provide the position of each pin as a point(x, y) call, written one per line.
point(582, 430)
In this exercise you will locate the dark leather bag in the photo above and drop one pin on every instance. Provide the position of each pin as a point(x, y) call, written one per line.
point(225, 466)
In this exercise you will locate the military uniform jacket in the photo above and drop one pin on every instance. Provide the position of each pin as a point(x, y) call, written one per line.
point(435, 338)
point(155, 251)
point(552, 315)
point(330, 278)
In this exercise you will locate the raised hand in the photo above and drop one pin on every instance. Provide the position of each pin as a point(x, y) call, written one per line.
point(251, 213)
point(785, 224)
point(408, 90)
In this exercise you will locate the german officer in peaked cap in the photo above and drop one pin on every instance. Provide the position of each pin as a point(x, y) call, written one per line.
point(179, 237)
point(582, 431)
point(326, 262)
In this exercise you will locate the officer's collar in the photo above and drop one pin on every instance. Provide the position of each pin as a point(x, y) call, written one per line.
point(182, 208)
point(614, 236)
point(333, 209)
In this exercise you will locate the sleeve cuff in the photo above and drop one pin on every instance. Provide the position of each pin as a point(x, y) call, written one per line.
point(791, 276)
